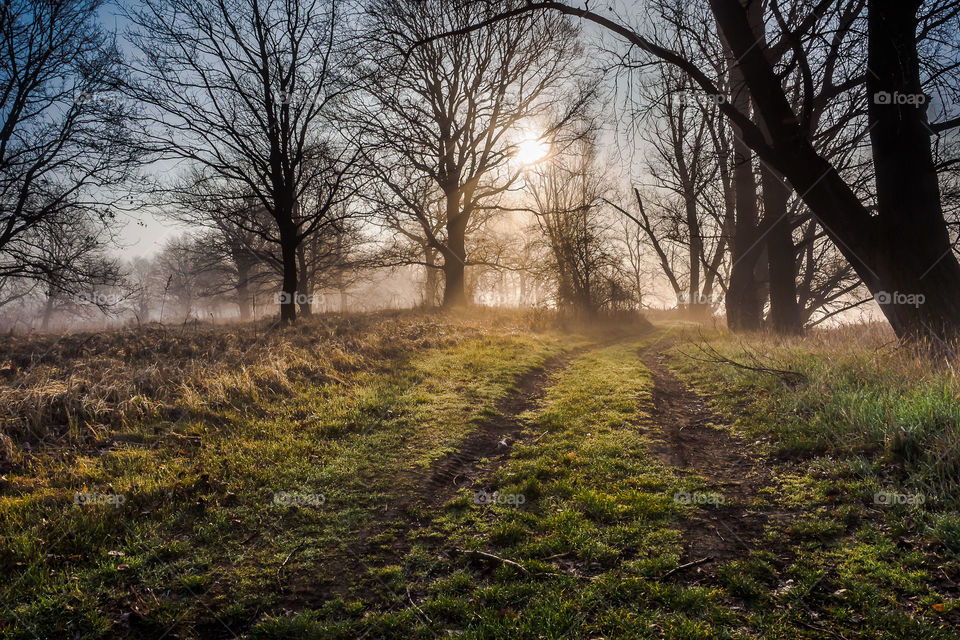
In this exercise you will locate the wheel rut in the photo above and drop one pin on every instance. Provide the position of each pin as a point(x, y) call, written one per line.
point(482, 452)
point(724, 526)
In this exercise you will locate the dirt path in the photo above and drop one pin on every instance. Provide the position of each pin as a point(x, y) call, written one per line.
point(689, 442)
point(492, 440)
point(480, 454)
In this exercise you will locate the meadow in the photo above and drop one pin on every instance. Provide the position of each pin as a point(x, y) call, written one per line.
point(492, 475)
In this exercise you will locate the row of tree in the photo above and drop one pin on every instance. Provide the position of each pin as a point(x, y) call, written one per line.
point(306, 141)
point(851, 145)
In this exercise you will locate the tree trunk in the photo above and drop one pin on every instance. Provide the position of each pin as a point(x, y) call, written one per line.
point(914, 261)
point(903, 255)
point(288, 254)
point(784, 311)
point(430, 282)
point(697, 303)
point(304, 288)
point(455, 257)
point(743, 304)
point(48, 311)
point(243, 295)
point(243, 267)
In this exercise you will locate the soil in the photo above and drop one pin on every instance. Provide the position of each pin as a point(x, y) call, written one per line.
point(693, 440)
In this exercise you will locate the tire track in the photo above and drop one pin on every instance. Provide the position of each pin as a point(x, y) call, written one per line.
point(689, 443)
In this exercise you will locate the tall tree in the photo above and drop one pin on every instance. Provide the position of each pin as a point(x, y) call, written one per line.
point(453, 109)
point(568, 206)
point(246, 91)
point(64, 144)
point(904, 251)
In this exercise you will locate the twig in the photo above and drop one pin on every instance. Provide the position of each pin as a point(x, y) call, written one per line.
point(414, 605)
point(788, 376)
point(686, 566)
point(821, 630)
point(285, 561)
point(490, 556)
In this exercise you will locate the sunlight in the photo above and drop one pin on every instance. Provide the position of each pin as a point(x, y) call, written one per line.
point(531, 150)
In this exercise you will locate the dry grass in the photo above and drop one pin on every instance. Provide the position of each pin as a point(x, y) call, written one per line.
point(80, 387)
point(857, 393)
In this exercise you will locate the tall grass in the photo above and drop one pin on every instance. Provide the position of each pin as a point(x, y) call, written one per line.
point(80, 388)
point(861, 396)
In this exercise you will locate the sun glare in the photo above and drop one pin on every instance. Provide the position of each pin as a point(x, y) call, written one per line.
point(531, 150)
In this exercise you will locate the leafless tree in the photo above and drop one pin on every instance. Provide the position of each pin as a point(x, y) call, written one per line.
point(906, 246)
point(685, 214)
point(446, 117)
point(64, 146)
point(569, 203)
point(245, 92)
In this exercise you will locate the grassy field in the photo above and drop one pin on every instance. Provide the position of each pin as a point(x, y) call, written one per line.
point(496, 476)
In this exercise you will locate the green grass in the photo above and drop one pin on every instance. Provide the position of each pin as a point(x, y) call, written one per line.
point(245, 518)
point(199, 536)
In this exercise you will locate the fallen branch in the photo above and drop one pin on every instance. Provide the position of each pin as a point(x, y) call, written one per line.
point(285, 561)
point(821, 630)
point(787, 376)
point(491, 556)
point(414, 605)
point(686, 566)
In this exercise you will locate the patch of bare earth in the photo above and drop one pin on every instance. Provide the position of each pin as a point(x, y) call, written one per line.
point(690, 442)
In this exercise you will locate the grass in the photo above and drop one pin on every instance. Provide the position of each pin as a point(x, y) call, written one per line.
point(277, 486)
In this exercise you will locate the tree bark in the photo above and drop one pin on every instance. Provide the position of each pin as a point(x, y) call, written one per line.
point(243, 290)
point(243, 262)
point(785, 315)
point(903, 255)
point(48, 310)
point(743, 304)
point(455, 256)
point(304, 288)
point(698, 305)
point(288, 255)
point(914, 260)
point(430, 282)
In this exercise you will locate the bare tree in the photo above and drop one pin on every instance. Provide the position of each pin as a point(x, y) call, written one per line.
point(451, 112)
point(689, 213)
point(246, 91)
point(64, 146)
point(904, 250)
point(568, 206)
point(74, 269)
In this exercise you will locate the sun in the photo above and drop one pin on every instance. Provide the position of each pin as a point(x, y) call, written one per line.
point(531, 150)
